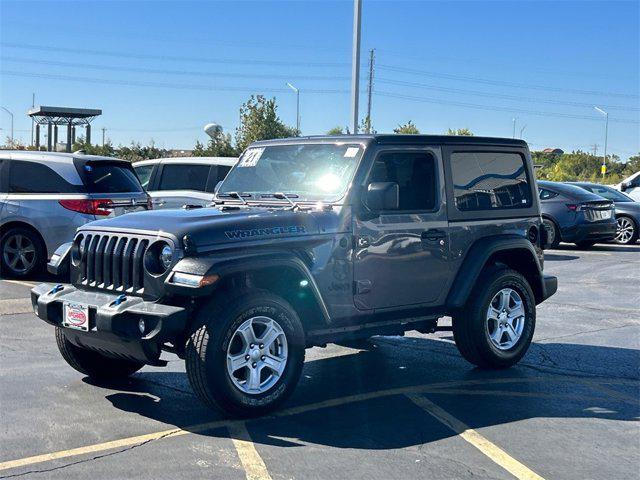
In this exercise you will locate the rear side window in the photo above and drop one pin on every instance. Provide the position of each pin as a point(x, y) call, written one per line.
point(144, 174)
point(32, 177)
point(184, 177)
point(105, 177)
point(546, 194)
point(489, 181)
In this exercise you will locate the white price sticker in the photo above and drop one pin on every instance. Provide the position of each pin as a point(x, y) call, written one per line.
point(251, 157)
point(351, 152)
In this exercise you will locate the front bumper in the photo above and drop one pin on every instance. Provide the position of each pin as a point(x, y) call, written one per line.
point(589, 232)
point(113, 325)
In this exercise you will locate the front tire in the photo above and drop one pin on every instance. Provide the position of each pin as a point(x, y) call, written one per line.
point(93, 364)
point(495, 328)
point(246, 356)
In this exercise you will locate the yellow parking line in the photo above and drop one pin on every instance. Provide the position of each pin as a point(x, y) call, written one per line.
point(336, 402)
point(254, 466)
point(491, 450)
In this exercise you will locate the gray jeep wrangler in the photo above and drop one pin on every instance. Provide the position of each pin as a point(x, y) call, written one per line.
point(311, 240)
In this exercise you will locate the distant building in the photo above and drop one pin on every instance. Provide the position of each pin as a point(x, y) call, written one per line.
point(179, 153)
point(552, 151)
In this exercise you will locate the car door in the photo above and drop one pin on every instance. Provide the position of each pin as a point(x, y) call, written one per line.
point(182, 183)
point(401, 256)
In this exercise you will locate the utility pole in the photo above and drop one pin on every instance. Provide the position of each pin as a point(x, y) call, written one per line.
point(11, 114)
point(514, 128)
point(103, 130)
point(33, 104)
point(370, 89)
point(606, 135)
point(595, 149)
point(355, 64)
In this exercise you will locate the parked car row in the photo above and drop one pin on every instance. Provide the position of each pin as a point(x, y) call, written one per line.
point(587, 213)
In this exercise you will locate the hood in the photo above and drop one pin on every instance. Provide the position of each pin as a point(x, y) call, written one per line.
point(212, 226)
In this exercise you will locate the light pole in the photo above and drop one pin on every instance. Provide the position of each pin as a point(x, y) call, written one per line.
point(514, 127)
point(522, 130)
point(6, 110)
point(355, 64)
point(606, 135)
point(297, 90)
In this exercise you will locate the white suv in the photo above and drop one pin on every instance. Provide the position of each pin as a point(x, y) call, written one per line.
point(174, 182)
point(630, 186)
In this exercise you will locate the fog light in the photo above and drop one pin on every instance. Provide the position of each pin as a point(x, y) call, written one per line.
point(141, 325)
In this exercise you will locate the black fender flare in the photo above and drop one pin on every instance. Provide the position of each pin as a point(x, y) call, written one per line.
point(476, 259)
point(245, 262)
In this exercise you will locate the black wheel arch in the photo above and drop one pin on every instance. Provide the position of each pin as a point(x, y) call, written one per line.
point(512, 251)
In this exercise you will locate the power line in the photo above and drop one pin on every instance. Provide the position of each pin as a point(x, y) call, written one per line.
point(177, 86)
point(499, 95)
point(502, 83)
point(497, 108)
point(172, 58)
point(163, 71)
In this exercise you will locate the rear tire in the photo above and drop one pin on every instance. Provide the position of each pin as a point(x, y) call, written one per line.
point(553, 233)
point(254, 324)
point(93, 364)
point(479, 336)
point(22, 252)
point(627, 231)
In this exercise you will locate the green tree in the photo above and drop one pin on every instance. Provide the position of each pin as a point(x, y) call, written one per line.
point(106, 150)
point(460, 131)
point(336, 131)
point(259, 121)
point(632, 165)
point(408, 128)
point(218, 146)
point(136, 152)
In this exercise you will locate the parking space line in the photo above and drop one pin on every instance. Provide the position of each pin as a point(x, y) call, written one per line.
point(14, 306)
point(440, 388)
point(252, 462)
point(489, 449)
point(21, 282)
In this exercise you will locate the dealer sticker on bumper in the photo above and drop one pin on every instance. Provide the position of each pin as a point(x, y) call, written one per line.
point(76, 315)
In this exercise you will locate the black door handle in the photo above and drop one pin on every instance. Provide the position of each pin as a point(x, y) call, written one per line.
point(433, 235)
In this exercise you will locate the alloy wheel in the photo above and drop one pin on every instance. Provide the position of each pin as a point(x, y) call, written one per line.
point(19, 253)
point(257, 355)
point(625, 230)
point(505, 319)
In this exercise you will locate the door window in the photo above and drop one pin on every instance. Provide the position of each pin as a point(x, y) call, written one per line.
point(184, 177)
point(415, 174)
point(546, 194)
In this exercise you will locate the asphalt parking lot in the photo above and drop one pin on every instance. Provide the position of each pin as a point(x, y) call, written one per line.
point(405, 408)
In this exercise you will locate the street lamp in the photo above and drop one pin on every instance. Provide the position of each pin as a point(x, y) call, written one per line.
point(522, 130)
point(355, 64)
point(606, 135)
point(297, 90)
point(6, 110)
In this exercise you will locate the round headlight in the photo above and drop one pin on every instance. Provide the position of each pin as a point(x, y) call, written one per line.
point(166, 256)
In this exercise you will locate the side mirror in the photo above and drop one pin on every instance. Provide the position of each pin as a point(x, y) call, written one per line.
point(383, 196)
point(624, 187)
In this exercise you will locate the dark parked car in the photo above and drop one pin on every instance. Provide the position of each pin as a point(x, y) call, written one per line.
point(313, 240)
point(627, 211)
point(574, 215)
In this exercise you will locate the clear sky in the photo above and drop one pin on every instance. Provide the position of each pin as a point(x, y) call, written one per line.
point(161, 70)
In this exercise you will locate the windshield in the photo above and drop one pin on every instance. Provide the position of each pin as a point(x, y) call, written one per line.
point(608, 193)
point(314, 172)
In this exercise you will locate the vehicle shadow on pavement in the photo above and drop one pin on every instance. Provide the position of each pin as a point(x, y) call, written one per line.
point(369, 408)
point(600, 247)
point(554, 257)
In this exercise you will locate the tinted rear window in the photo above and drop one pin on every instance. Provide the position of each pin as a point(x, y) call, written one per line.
point(32, 177)
point(184, 177)
point(105, 177)
point(490, 181)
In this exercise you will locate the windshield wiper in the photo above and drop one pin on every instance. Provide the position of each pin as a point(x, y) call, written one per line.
point(284, 196)
point(237, 195)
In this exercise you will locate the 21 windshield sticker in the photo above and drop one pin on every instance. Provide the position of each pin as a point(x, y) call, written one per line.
point(251, 157)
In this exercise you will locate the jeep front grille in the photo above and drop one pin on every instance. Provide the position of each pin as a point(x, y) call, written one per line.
point(113, 262)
